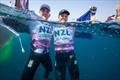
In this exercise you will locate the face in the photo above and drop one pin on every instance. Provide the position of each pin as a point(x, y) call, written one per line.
point(44, 13)
point(63, 18)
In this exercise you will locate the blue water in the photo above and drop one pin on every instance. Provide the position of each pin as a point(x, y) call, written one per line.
point(99, 59)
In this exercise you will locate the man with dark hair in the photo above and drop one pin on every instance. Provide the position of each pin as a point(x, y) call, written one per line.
point(64, 50)
point(41, 36)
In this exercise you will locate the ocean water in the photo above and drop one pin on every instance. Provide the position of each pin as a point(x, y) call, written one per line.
point(98, 59)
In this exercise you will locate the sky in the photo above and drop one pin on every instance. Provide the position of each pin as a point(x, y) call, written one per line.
point(75, 7)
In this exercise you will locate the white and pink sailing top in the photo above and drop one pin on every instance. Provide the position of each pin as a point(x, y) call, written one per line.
point(63, 38)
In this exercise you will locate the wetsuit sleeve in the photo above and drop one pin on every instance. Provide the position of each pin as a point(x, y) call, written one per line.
point(16, 25)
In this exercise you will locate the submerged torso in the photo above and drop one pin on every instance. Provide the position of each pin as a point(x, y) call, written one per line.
point(63, 38)
point(41, 35)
